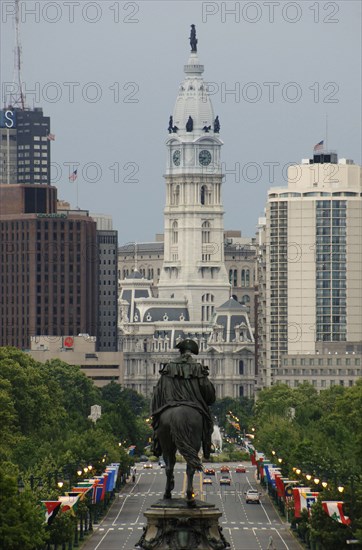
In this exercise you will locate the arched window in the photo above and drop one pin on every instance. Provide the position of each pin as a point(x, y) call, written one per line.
point(203, 194)
point(175, 233)
point(233, 277)
point(206, 232)
point(245, 277)
point(245, 300)
point(207, 308)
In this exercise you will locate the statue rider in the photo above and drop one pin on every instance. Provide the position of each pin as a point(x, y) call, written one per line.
point(184, 382)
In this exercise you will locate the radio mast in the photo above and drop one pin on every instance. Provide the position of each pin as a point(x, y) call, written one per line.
point(18, 99)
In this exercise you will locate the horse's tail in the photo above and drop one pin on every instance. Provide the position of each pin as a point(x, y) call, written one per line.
point(180, 435)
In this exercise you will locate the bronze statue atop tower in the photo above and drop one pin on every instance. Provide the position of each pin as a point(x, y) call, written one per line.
point(193, 39)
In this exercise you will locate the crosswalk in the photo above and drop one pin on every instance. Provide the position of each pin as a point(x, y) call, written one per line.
point(226, 525)
point(140, 526)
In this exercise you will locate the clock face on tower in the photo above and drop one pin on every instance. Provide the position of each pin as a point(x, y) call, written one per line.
point(204, 157)
point(176, 157)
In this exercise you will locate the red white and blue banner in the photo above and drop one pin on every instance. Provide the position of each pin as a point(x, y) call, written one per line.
point(304, 498)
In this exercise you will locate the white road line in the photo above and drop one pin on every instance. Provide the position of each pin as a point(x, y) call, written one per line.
point(265, 512)
point(125, 500)
point(102, 539)
point(283, 541)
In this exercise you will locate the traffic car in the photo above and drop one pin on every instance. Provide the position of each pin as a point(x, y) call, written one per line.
point(209, 471)
point(240, 469)
point(162, 463)
point(148, 465)
point(207, 481)
point(225, 469)
point(252, 495)
point(225, 480)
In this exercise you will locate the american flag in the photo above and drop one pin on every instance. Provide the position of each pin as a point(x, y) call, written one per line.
point(73, 176)
point(51, 137)
point(319, 146)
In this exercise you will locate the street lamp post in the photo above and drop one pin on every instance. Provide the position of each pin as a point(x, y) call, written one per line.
point(32, 479)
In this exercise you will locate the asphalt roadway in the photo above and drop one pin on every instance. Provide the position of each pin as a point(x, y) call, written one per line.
point(245, 526)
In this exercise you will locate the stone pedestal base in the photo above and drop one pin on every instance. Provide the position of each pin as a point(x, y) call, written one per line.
point(175, 525)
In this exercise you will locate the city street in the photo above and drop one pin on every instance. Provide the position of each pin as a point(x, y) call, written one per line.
point(246, 526)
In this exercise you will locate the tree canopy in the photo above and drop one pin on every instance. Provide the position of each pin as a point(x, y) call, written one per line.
point(45, 433)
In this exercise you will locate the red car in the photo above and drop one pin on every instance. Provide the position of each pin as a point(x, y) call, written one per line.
point(240, 469)
point(209, 471)
point(225, 469)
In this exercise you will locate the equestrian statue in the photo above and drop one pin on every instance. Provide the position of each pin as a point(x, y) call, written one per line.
point(180, 413)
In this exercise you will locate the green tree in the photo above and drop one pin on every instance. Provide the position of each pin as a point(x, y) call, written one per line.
point(327, 531)
point(61, 530)
point(21, 518)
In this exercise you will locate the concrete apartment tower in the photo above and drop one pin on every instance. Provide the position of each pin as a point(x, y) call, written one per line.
point(313, 262)
point(193, 215)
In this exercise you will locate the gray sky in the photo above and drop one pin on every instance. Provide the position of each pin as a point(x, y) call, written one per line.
point(289, 63)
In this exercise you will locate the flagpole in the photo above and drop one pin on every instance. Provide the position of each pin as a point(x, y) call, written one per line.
point(77, 194)
point(326, 132)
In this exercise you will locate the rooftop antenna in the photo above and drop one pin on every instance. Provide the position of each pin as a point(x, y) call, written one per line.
point(20, 99)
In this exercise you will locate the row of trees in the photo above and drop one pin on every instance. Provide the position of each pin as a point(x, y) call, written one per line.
point(46, 436)
point(319, 435)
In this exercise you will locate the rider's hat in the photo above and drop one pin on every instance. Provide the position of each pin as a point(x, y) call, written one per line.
point(189, 345)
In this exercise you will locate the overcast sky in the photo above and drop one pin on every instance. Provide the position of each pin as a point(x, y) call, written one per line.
point(107, 73)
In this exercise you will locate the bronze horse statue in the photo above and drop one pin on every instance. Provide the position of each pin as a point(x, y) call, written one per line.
point(180, 415)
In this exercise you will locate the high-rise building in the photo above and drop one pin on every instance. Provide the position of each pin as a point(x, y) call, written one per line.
point(107, 326)
point(312, 298)
point(48, 267)
point(25, 146)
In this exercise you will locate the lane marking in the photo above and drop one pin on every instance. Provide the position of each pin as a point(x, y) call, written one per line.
point(261, 504)
point(283, 541)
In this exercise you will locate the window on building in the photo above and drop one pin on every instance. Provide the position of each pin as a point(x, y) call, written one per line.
point(245, 277)
point(205, 232)
point(176, 195)
point(245, 300)
point(204, 195)
point(241, 367)
point(174, 232)
point(207, 307)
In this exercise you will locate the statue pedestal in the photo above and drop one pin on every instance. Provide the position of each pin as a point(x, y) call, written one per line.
point(173, 524)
